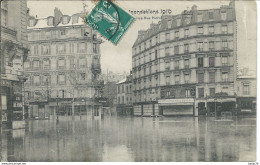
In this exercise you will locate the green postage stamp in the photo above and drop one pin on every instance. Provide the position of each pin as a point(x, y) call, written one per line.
point(109, 20)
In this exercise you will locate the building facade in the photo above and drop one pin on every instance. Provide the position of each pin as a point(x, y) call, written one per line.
point(186, 64)
point(124, 96)
point(246, 95)
point(14, 51)
point(63, 66)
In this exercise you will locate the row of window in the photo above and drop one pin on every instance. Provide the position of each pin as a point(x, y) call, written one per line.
point(121, 88)
point(62, 49)
point(122, 100)
point(45, 64)
point(186, 62)
point(59, 79)
point(186, 78)
point(200, 31)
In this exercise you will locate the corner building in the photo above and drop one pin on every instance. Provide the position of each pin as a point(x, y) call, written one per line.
point(63, 66)
point(186, 64)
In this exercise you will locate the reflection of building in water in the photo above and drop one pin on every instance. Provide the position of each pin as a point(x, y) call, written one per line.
point(186, 64)
point(63, 66)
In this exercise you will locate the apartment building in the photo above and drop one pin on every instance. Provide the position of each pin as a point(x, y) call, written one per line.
point(63, 66)
point(124, 96)
point(186, 64)
point(14, 51)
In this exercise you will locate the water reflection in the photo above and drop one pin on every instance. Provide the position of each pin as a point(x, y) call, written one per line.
point(132, 139)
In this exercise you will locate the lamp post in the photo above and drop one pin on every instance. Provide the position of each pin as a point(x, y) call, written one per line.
point(0, 81)
point(57, 109)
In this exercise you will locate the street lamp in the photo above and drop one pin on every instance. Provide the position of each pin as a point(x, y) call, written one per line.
point(57, 109)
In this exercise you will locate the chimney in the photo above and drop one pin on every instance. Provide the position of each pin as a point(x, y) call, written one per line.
point(57, 16)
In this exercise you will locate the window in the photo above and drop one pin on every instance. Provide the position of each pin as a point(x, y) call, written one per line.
point(200, 30)
point(167, 65)
point(186, 63)
point(167, 51)
point(177, 79)
point(63, 32)
point(36, 80)
point(211, 29)
point(223, 15)
point(200, 77)
point(246, 89)
point(50, 21)
point(155, 54)
point(74, 19)
point(224, 61)
point(31, 22)
point(72, 63)
point(94, 36)
point(65, 20)
point(167, 36)
point(61, 63)
point(178, 22)
point(169, 23)
point(167, 80)
point(35, 50)
point(61, 78)
point(225, 76)
point(211, 61)
point(187, 92)
point(186, 78)
point(200, 16)
point(83, 76)
point(95, 48)
point(211, 45)
point(36, 64)
point(201, 92)
point(224, 44)
point(212, 92)
point(176, 34)
point(176, 64)
point(186, 32)
point(176, 49)
point(46, 64)
point(200, 62)
point(150, 43)
point(211, 15)
point(45, 49)
point(144, 45)
point(156, 39)
point(211, 77)
point(82, 47)
point(82, 63)
point(61, 48)
point(200, 46)
point(224, 29)
point(27, 65)
point(186, 48)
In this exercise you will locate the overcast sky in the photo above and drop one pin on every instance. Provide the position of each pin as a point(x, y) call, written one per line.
point(118, 58)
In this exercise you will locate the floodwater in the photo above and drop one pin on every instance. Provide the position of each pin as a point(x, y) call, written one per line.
point(132, 139)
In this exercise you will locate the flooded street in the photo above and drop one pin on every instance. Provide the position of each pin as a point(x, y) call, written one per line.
point(132, 139)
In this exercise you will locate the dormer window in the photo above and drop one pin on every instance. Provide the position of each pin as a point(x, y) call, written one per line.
point(31, 22)
point(74, 19)
point(178, 22)
point(65, 20)
point(50, 21)
point(223, 15)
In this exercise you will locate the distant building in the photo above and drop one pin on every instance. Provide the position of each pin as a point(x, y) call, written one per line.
point(246, 94)
point(14, 51)
point(63, 66)
point(124, 96)
point(186, 64)
point(113, 77)
point(110, 92)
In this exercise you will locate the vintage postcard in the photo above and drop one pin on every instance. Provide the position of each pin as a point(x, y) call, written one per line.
point(128, 81)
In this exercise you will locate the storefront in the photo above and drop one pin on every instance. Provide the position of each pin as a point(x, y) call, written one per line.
point(171, 107)
point(246, 105)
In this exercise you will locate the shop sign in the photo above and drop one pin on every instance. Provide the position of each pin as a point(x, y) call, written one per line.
point(175, 101)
